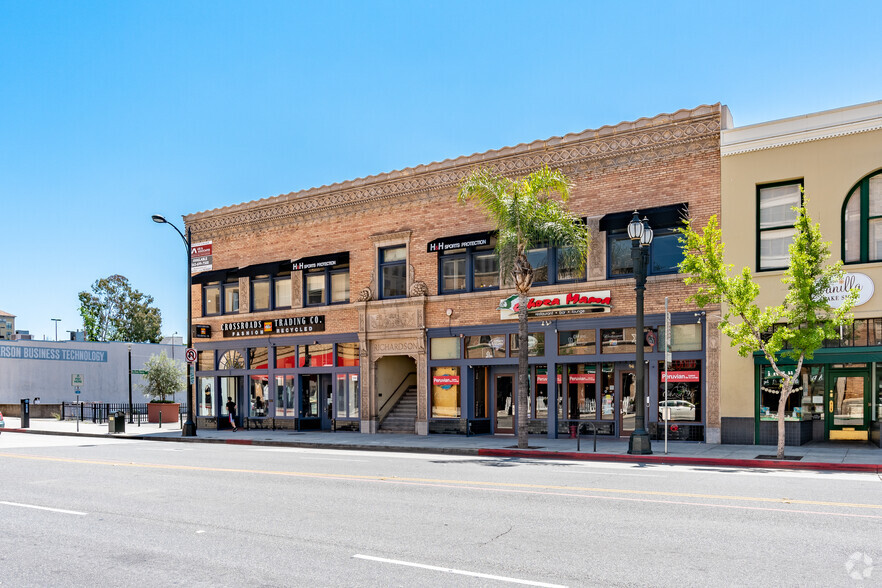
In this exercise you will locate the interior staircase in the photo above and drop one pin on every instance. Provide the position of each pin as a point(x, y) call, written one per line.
point(402, 418)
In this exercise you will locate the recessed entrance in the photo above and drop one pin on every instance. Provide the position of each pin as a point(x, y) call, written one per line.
point(848, 406)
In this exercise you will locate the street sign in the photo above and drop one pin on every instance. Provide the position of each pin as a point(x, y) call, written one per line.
point(76, 380)
point(141, 372)
point(77, 391)
point(192, 375)
point(190, 354)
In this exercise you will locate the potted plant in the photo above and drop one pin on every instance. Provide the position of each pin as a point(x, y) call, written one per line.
point(164, 378)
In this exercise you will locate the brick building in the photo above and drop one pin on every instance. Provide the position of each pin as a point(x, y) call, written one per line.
point(374, 304)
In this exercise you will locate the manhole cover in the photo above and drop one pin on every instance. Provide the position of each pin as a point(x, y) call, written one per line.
point(775, 457)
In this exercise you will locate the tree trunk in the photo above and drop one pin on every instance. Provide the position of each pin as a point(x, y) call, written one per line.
point(523, 371)
point(786, 387)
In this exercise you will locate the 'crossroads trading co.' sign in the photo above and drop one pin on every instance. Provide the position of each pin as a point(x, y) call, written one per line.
point(571, 303)
point(279, 326)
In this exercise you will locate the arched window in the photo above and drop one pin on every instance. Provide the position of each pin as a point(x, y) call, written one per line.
point(862, 221)
point(231, 360)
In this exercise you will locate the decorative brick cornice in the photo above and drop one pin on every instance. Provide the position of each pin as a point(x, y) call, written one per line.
point(609, 147)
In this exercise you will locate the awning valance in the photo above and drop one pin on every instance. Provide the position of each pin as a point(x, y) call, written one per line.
point(659, 217)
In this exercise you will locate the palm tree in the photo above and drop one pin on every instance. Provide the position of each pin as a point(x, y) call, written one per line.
point(526, 216)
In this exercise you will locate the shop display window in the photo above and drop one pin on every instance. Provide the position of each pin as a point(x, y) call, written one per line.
point(318, 355)
point(285, 357)
point(258, 395)
point(205, 389)
point(877, 415)
point(607, 391)
point(577, 342)
point(286, 396)
point(581, 392)
point(683, 390)
point(258, 358)
point(621, 340)
point(540, 392)
point(347, 400)
point(445, 392)
point(801, 404)
point(347, 354)
point(535, 344)
point(485, 346)
point(444, 348)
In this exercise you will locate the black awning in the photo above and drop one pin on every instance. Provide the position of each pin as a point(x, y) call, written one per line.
point(459, 241)
point(320, 261)
point(215, 275)
point(659, 217)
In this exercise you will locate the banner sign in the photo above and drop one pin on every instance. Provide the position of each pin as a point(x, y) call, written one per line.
point(836, 293)
point(200, 257)
point(571, 303)
point(681, 377)
point(279, 326)
point(445, 380)
point(52, 353)
point(320, 261)
point(459, 242)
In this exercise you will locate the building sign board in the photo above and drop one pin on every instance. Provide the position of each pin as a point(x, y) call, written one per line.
point(202, 331)
point(689, 376)
point(459, 242)
point(200, 257)
point(582, 378)
point(280, 326)
point(557, 304)
point(51, 353)
point(320, 261)
point(836, 293)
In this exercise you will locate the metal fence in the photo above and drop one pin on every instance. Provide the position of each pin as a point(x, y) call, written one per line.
point(98, 412)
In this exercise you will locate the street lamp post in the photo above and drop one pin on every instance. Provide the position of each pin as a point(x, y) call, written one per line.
point(189, 429)
point(130, 384)
point(56, 327)
point(641, 237)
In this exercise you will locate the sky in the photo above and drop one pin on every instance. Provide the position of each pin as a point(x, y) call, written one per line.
point(113, 111)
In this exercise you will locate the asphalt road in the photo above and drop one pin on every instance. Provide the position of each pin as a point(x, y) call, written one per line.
point(79, 512)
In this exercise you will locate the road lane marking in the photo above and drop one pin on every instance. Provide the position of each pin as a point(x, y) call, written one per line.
point(455, 571)
point(61, 510)
point(450, 483)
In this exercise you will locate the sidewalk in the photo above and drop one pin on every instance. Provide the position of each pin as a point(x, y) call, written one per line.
point(829, 457)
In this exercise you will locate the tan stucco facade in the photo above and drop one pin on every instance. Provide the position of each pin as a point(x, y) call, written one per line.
point(830, 152)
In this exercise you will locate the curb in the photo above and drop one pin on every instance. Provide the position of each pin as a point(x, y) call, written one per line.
point(487, 452)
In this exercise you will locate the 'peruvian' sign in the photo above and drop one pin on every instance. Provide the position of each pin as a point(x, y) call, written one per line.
point(543, 378)
point(445, 380)
point(279, 326)
point(836, 293)
point(582, 378)
point(200, 257)
point(556, 304)
point(682, 377)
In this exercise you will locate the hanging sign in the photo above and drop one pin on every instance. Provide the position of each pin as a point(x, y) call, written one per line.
point(681, 376)
point(557, 304)
point(200, 257)
point(202, 331)
point(279, 326)
point(836, 293)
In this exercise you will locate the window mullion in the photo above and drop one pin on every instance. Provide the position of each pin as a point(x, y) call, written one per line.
point(865, 221)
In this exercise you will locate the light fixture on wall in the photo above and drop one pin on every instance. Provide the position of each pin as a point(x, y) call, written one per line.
point(449, 312)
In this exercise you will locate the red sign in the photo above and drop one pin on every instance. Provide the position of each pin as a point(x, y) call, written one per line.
point(200, 249)
point(582, 378)
point(682, 376)
point(543, 378)
point(445, 380)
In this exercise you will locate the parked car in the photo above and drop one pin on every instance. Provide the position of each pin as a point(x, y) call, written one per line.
point(2, 422)
point(681, 410)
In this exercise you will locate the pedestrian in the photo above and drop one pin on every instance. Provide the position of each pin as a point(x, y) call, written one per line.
point(231, 408)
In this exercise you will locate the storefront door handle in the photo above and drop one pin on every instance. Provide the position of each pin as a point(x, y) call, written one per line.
point(831, 406)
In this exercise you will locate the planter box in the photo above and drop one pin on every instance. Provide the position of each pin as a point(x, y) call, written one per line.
point(170, 412)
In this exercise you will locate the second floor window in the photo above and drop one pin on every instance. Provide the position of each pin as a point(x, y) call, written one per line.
point(326, 285)
point(469, 269)
point(393, 272)
point(775, 223)
point(554, 265)
point(862, 221)
point(271, 291)
point(231, 297)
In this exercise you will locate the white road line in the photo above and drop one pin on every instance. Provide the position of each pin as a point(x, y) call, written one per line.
point(61, 510)
point(460, 572)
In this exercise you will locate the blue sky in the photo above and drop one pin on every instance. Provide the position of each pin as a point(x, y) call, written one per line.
point(113, 111)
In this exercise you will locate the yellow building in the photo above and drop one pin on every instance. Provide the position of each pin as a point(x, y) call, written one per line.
point(836, 156)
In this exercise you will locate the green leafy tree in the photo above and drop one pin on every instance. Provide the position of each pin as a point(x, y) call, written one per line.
point(165, 377)
point(793, 330)
point(114, 311)
point(525, 215)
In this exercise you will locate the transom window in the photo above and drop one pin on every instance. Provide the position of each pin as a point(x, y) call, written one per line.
point(393, 272)
point(862, 221)
point(776, 218)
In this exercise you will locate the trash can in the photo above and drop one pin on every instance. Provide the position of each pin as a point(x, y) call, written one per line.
point(25, 413)
point(116, 422)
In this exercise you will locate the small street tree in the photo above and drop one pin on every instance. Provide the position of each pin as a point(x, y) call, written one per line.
point(792, 330)
point(165, 377)
point(525, 216)
point(114, 311)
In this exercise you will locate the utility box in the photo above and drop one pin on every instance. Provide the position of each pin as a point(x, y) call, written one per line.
point(25, 413)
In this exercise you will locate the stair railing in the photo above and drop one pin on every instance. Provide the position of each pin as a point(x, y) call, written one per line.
point(393, 398)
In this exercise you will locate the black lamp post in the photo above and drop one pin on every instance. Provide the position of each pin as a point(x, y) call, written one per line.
point(189, 429)
point(130, 384)
point(641, 237)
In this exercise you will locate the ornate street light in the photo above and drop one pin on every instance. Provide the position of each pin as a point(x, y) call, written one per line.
point(189, 429)
point(641, 238)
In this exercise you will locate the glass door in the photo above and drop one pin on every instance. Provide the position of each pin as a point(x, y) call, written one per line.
point(848, 406)
point(230, 401)
point(327, 400)
point(506, 404)
point(628, 397)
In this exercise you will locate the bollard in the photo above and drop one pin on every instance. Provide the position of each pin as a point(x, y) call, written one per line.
point(182, 419)
point(160, 419)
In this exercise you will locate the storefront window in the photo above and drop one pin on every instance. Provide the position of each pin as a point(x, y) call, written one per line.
point(258, 396)
point(444, 348)
point(258, 358)
point(347, 354)
point(683, 337)
point(577, 342)
point(319, 355)
point(541, 403)
point(485, 346)
point(622, 340)
point(206, 397)
point(683, 390)
point(878, 413)
point(812, 382)
point(231, 360)
point(445, 392)
point(770, 395)
point(205, 361)
point(347, 396)
point(607, 391)
point(285, 396)
point(285, 357)
point(535, 344)
point(581, 391)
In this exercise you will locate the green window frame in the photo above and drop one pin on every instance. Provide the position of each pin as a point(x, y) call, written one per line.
point(768, 229)
point(862, 221)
